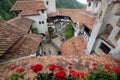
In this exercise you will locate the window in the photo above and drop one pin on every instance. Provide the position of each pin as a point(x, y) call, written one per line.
point(89, 4)
point(42, 11)
point(100, 14)
point(42, 22)
point(39, 22)
point(105, 48)
point(96, 4)
point(87, 30)
point(47, 2)
point(109, 29)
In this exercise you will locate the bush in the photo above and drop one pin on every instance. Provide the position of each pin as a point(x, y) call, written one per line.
point(69, 34)
point(50, 30)
point(34, 30)
point(69, 31)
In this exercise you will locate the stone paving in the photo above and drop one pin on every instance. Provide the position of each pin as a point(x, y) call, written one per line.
point(57, 42)
point(49, 49)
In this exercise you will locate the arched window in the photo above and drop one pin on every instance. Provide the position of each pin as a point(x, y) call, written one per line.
point(89, 4)
point(47, 2)
point(109, 28)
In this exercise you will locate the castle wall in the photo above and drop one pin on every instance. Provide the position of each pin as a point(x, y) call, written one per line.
point(97, 26)
point(113, 20)
point(98, 50)
point(40, 21)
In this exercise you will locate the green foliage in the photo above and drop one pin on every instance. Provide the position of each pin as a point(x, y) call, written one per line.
point(34, 30)
point(50, 30)
point(70, 77)
point(5, 6)
point(45, 76)
point(69, 31)
point(102, 74)
point(72, 4)
point(16, 76)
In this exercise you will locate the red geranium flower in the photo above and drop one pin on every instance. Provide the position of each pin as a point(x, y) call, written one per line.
point(70, 66)
point(107, 66)
point(116, 69)
point(74, 73)
point(60, 67)
point(13, 67)
point(52, 67)
point(81, 74)
point(20, 70)
point(60, 75)
point(94, 64)
point(36, 68)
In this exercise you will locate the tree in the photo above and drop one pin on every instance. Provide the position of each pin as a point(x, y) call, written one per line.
point(50, 30)
point(69, 31)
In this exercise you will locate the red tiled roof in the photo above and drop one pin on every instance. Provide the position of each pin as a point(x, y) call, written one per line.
point(74, 45)
point(76, 15)
point(86, 20)
point(8, 35)
point(14, 41)
point(26, 45)
point(22, 23)
point(29, 12)
point(28, 5)
point(77, 61)
point(29, 8)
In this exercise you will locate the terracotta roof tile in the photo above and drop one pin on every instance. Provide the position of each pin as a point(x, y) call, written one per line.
point(29, 8)
point(26, 45)
point(28, 5)
point(79, 16)
point(22, 23)
point(76, 60)
point(29, 12)
point(86, 20)
point(8, 35)
point(74, 45)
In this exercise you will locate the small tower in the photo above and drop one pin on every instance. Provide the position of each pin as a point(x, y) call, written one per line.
point(93, 5)
point(99, 24)
point(51, 5)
